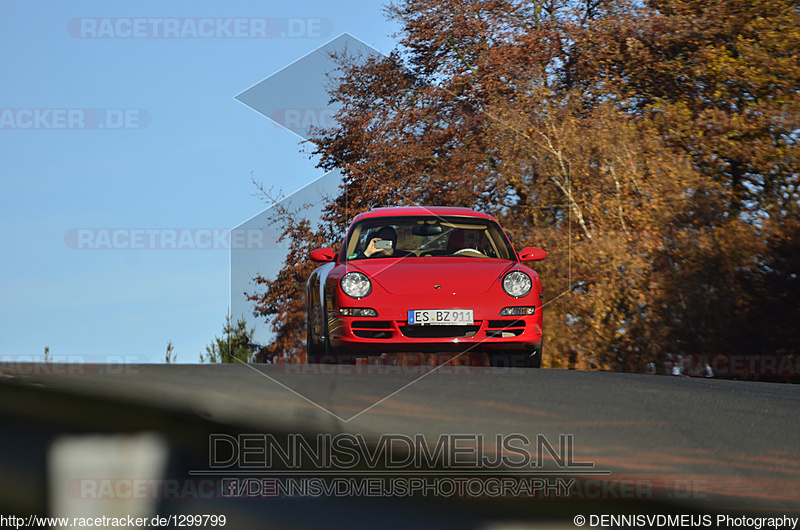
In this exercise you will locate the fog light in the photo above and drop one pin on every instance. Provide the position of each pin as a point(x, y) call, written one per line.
point(518, 311)
point(357, 312)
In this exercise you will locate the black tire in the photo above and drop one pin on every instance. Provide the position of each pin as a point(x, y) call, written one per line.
point(320, 353)
point(525, 359)
point(314, 351)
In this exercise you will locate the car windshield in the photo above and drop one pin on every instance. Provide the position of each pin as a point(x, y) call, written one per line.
point(427, 236)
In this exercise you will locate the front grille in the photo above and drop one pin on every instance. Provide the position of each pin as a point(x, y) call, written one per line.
point(372, 329)
point(439, 332)
point(505, 324)
point(372, 334)
point(371, 324)
point(505, 328)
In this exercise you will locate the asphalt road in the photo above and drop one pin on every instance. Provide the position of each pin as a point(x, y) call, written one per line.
point(626, 442)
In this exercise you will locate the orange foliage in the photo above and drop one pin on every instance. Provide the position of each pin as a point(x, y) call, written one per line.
point(652, 151)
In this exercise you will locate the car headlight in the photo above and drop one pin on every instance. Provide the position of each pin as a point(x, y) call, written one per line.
point(356, 284)
point(517, 284)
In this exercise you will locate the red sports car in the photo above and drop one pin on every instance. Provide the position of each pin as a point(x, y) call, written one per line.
point(420, 279)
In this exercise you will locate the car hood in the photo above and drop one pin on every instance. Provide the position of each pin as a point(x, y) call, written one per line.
point(413, 276)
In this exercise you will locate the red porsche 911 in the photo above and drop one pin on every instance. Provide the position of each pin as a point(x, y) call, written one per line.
point(415, 279)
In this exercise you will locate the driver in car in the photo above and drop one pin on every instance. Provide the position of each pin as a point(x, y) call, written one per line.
point(382, 243)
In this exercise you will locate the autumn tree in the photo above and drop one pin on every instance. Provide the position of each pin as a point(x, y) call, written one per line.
point(651, 149)
point(718, 81)
point(283, 298)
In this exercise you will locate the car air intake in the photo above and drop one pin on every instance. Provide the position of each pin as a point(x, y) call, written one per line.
point(439, 332)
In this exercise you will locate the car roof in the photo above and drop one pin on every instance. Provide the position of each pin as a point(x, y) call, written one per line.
point(421, 210)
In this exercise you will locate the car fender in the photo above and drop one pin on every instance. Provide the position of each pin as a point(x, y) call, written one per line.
point(316, 285)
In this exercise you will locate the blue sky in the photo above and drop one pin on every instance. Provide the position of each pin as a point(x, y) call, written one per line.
point(182, 161)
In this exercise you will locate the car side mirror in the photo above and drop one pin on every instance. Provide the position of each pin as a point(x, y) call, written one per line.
point(323, 254)
point(532, 254)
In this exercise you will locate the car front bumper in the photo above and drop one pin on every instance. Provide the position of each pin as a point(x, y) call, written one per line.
point(354, 334)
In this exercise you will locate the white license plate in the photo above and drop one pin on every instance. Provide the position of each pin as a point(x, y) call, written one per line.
point(440, 317)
